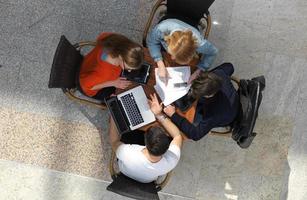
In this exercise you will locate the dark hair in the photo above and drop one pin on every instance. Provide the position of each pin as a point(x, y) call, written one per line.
point(156, 141)
point(119, 45)
point(206, 84)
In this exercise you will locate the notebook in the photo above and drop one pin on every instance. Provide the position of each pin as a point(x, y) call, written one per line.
point(170, 93)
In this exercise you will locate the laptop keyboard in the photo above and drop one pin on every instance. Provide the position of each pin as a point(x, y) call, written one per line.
point(132, 109)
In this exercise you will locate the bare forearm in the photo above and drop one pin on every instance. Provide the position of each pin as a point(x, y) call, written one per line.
point(169, 126)
point(160, 64)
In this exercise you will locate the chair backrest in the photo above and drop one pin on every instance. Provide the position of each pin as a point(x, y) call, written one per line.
point(65, 67)
point(192, 9)
point(128, 187)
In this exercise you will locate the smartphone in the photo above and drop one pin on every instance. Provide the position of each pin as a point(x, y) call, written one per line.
point(184, 84)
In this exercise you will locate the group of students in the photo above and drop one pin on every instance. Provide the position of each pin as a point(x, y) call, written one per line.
point(158, 150)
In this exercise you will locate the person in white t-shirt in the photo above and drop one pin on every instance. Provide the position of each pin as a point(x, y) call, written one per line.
point(158, 157)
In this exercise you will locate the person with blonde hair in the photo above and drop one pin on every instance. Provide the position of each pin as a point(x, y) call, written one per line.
point(101, 68)
point(183, 42)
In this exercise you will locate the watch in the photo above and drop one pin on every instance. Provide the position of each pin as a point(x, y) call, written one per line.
point(161, 117)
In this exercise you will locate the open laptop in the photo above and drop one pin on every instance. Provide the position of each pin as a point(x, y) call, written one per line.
point(130, 110)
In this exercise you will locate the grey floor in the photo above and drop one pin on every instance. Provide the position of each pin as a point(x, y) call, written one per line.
point(258, 36)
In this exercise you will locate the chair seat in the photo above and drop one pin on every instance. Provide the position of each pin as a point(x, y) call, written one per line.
point(130, 188)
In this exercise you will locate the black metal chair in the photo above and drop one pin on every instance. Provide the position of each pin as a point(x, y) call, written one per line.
point(65, 71)
point(128, 187)
point(250, 96)
point(226, 131)
point(189, 11)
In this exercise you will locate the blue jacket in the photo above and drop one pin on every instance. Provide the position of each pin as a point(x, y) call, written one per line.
point(220, 110)
point(156, 38)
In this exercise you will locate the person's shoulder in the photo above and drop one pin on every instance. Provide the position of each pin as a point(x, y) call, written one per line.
point(170, 24)
point(173, 150)
point(171, 157)
point(128, 149)
point(131, 146)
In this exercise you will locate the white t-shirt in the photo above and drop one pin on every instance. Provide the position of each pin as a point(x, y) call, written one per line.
point(133, 163)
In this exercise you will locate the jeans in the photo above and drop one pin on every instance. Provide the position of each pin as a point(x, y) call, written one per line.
point(104, 93)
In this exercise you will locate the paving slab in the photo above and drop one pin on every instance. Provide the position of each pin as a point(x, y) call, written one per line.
point(283, 80)
point(284, 38)
point(234, 173)
point(52, 143)
point(184, 180)
point(254, 11)
point(29, 182)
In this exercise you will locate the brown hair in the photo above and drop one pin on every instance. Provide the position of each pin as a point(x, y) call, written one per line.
point(182, 45)
point(119, 45)
point(206, 84)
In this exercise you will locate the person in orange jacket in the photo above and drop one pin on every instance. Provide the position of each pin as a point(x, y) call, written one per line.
point(101, 68)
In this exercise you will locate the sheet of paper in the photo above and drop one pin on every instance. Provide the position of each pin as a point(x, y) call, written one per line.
point(168, 94)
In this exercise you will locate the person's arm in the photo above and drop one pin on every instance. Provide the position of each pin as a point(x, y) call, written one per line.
point(172, 129)
point(120, 82)
point(194, 76)
point(102, 85)
point(167, 124)
point(227, 68)
point(209, 52)
point(153, 41)
point(113, 136)
point(162, 72)
point(191, 131)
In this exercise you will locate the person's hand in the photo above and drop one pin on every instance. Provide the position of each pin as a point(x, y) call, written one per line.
point(154, 104)
point(121, 83)
point(162, 72)
point(194, 76)
point(169, 110)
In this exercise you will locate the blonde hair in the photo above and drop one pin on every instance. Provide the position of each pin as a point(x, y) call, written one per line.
point(182, 46)
point(119, 45)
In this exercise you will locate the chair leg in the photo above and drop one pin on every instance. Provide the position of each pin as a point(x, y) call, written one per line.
point(70, 94)
point(111, 165)
point(82, 44)
point(208, 28)
point(225, 134)
point(161, 185)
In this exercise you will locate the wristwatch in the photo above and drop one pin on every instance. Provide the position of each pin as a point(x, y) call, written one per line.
point(160, 117)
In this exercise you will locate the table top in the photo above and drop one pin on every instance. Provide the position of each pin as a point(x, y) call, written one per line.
point(149, 87)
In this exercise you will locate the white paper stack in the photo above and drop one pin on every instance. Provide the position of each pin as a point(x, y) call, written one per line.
point(168, 94)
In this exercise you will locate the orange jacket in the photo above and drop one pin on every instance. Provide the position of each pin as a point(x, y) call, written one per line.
point(95, 71)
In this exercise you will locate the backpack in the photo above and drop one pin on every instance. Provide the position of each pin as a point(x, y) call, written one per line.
point(250, 95)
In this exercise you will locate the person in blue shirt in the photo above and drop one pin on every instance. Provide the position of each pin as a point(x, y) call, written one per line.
point(218, 103)
point(183, 42)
